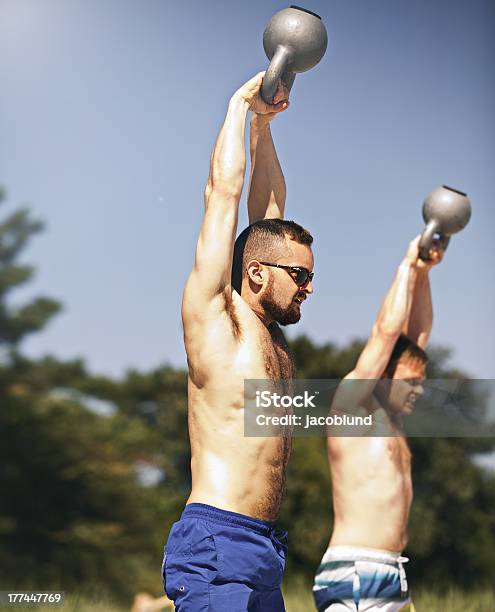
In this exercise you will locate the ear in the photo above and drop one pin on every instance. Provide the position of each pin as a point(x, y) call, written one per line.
point(256, 273)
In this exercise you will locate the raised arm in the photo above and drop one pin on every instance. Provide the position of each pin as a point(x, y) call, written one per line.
point(418, 327)
point(391, 319)
point(266, 199)
point(420, 321)
point(210, 276)
point(211, 271)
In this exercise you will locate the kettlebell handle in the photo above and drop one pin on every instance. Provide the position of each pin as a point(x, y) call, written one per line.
point(275, 71)
point(426, 240)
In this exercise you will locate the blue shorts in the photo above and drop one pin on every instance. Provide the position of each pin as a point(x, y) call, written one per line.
point(223, 561)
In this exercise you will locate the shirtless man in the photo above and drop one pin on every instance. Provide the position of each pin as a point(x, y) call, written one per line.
point(224, 554)
point(371, 476)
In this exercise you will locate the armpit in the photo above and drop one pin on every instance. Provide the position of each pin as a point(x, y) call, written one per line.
point(231, 311)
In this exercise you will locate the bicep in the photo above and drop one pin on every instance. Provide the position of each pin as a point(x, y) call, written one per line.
point(359, 384)
point(351, 393)
point(422, 339)
point(375, 356)
point(273, 211)
point(201, 304)
point(209, 328)
point(214, 250)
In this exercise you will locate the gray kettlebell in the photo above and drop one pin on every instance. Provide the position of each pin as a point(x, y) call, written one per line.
point(446, 211)
point(294, 40)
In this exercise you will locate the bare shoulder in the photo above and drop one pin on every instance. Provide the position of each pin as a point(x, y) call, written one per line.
point(200, 309)
point(353, 392)
point(213, 330)
point(349, 394)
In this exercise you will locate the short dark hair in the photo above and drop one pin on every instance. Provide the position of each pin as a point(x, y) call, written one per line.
point(264, 240)
point(405, 349)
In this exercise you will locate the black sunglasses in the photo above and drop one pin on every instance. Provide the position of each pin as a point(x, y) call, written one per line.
point(300, 276)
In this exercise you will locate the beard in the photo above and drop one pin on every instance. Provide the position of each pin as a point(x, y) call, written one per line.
point(394, 401)
point(284, 316)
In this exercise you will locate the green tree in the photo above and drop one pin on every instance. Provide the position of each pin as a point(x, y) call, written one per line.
point(16, 322)
point(72, 510)
point(158, 400)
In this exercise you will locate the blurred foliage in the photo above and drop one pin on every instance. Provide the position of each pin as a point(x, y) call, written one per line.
point(75, 511)
point(72, 509)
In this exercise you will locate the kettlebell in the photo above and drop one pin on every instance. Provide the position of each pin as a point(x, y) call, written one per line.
point(446, 211)
point(294, 40)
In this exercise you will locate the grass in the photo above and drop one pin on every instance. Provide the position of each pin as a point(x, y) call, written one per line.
point(455, 601)
point(297, 599)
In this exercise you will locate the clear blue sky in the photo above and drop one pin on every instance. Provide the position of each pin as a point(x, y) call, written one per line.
point(108, 113)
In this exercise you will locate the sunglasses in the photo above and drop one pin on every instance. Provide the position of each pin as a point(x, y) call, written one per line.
point(299, 275)
point(413, 382)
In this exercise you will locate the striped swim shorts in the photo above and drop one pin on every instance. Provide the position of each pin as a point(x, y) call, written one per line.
point(358, 579)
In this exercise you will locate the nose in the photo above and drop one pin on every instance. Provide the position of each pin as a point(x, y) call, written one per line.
point(419, 389)
point(308, 287)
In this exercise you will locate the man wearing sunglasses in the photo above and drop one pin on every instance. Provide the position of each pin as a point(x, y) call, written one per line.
point(224, 553)
point(371, 474)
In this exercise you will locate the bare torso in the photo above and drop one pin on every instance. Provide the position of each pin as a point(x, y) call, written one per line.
point(230, 471)
point(372, 490)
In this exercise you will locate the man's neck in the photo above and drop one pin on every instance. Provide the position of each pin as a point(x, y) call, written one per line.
point(258, 310)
